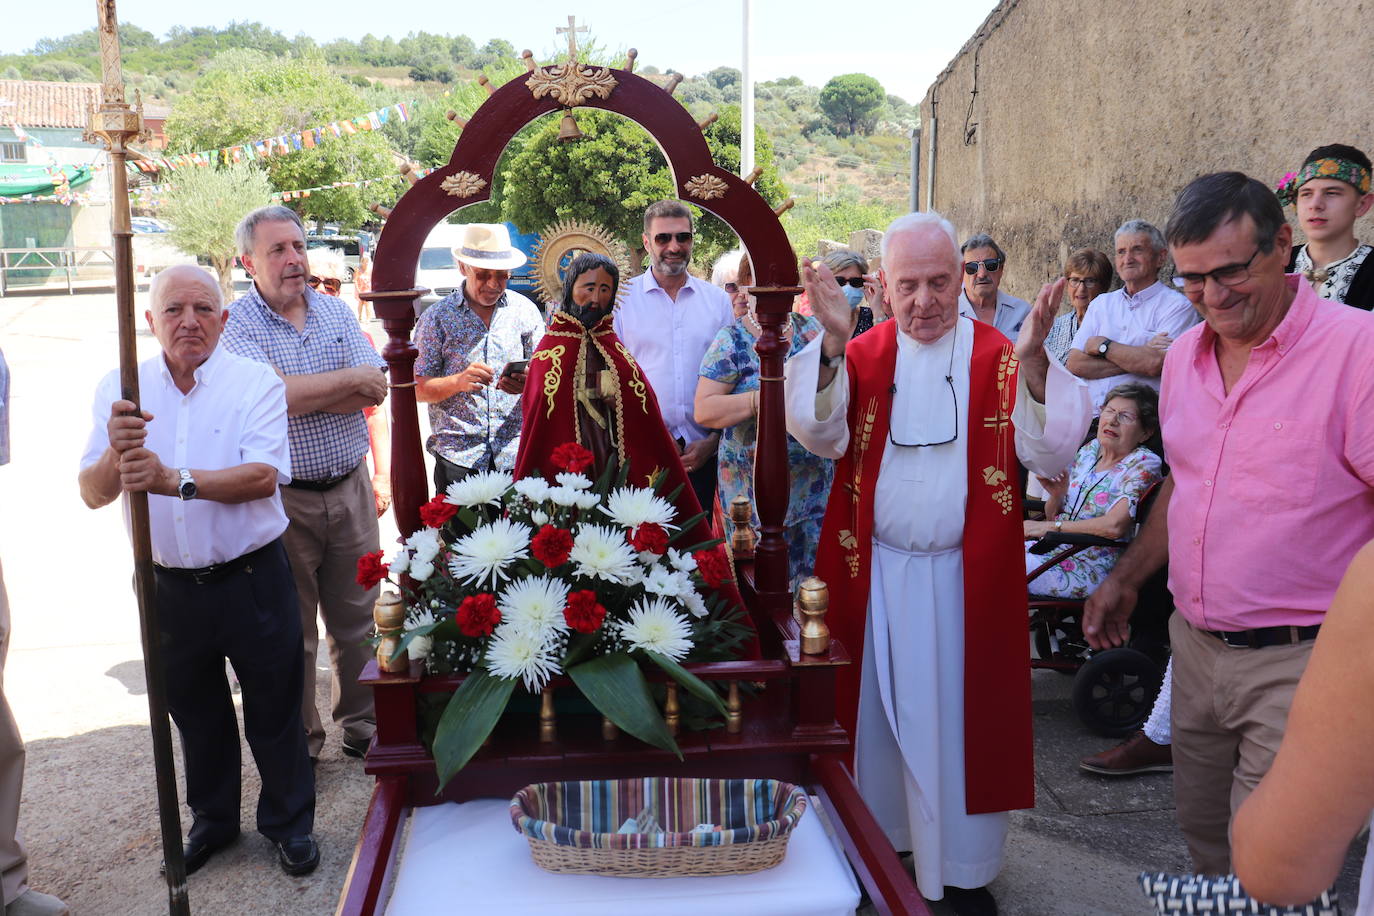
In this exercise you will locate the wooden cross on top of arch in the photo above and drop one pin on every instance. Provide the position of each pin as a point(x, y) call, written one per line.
point(572, 29)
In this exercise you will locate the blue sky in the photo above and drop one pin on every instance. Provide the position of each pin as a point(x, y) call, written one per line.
point(903, 43)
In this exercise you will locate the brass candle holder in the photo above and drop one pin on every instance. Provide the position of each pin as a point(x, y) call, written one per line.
point(813, 602)
point(389, 614)
point(742, 539)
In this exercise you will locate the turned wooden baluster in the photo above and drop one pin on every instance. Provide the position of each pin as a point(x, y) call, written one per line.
point(772, 481)
point(734, 710)
point(548, 721)
point(813, 603)
point(389, 614)
point(672, 712)
point(742, 539)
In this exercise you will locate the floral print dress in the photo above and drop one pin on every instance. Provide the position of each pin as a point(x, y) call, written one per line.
point(1092, 494)
point(731, 359)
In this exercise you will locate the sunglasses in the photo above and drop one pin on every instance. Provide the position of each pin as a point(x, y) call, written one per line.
point(732, 288)
point(855, 282)
point(329, 283)
point(991, 265)
point(664, 238)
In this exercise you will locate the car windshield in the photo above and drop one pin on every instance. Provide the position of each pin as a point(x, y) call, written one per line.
point(436, 259)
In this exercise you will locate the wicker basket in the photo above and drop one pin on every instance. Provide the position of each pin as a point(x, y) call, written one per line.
point(571, 826)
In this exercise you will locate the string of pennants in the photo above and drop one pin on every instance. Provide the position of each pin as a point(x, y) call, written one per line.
point(279, 145)
point(151, 196)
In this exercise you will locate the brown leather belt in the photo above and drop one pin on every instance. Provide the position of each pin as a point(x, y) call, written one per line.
point(1263, 637)
point(319, 486)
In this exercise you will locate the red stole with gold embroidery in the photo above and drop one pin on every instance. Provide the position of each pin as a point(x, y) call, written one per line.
point(998, 759)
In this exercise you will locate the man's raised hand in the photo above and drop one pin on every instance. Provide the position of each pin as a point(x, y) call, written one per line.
point(828, 304)
point(1030, 342)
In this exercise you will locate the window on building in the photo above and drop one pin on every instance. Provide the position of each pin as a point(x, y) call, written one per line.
point(12, 152)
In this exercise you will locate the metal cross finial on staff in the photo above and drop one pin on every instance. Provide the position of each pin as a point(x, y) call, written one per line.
point(571, 31)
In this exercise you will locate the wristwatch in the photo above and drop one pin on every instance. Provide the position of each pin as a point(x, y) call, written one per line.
point(187, 488)
point(830, 362)
point(1102, 347)
point(1059, 525)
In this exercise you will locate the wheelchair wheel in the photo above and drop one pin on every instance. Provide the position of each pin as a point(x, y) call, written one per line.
point(1114, 691)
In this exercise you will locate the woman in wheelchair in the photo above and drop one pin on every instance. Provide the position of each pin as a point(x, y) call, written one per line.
point(1099, 494)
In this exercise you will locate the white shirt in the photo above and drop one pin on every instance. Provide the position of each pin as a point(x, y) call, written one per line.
point(1010, 313)
point(668, 339)
point(235, 414)
point(1133, 320)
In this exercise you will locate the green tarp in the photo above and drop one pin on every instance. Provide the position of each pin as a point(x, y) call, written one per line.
point(16, 180)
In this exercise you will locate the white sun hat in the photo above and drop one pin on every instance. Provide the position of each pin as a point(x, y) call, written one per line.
point(488, 245)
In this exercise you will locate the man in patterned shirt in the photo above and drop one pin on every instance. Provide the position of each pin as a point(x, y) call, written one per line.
point(331, 374)
point(468, 342)
point(1330, 192)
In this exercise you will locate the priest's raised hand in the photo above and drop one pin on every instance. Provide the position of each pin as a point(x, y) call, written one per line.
point(832, 310)
point(1030, 343)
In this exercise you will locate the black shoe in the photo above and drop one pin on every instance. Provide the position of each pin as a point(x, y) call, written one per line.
point(197, 852)
point(356, 747)
point(298, 855)
point(974, 901)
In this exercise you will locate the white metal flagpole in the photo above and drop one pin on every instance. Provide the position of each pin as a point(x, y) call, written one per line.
point(746, 101)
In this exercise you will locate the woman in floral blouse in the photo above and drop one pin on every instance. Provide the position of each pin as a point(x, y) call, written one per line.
point(728, 399)
point(1099, 495)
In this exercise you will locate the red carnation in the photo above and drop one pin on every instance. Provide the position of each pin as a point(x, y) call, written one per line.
point(571, 457)
point(651, 537)
point(714, 568)
point(584, 613)
point(478, 615)
point(435, 512)
point(371, 569)
point(551, 546)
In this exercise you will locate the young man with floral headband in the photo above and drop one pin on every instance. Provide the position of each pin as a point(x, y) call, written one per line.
point(1331, 191)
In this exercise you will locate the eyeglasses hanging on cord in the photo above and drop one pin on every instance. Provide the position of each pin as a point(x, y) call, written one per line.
point(954, 395)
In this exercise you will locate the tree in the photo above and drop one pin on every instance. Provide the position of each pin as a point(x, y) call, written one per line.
point(851, 101)
point(723, 77)
point(204, 206)
point(244, 96)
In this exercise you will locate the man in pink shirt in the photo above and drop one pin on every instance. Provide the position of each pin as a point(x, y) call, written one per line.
point(1265, 412)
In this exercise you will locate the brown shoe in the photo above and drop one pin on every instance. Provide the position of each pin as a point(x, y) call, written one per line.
point(1137, 754)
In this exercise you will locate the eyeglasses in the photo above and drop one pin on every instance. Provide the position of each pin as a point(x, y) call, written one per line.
point(1228, 275)
point(1084, 281)
point(1122, 416)
point(856, 282)
point(991, 265)
point(732, 288)
point(664, 238)
point(949, 380)
point(330, 284)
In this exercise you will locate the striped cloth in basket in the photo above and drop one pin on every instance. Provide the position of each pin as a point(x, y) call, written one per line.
point(587, 814)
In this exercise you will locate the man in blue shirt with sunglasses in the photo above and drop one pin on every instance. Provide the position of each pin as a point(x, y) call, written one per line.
point(982, 298)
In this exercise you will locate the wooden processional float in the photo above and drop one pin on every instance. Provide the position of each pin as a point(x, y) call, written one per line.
point(786, 729)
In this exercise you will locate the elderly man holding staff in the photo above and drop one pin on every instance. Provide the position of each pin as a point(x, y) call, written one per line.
point(927, 415)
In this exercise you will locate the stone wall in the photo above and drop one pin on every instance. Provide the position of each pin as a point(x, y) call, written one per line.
point(1090, 113)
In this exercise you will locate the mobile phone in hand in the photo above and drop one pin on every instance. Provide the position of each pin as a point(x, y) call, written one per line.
point(515, 367)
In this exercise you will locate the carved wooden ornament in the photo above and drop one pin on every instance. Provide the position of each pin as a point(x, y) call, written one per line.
point(571, 83)
point(463, 184)
point(705, 187)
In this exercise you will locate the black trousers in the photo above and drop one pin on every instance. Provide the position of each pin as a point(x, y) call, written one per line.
point(446, 472)
point(703, 481)
point(251, 618)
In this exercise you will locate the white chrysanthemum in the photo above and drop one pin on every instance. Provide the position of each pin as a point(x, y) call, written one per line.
point(483, 488)
point(695, 606)
point(399, 563)
point(588, 500)
point(633, 506)
point(563, 496)
point(424, 544)
point(662, 581)
point(655, 626)
point(633, 576)
point(420, 570)
point(539, 517)
point(420, 647)
point(533, 489)
point(534, 605)
point(602, 552)
point(488, 550)
point(573, 481)
point(513, 653)
point(684, 562)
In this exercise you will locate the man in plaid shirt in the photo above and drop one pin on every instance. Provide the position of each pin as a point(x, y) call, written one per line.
point(331, 374)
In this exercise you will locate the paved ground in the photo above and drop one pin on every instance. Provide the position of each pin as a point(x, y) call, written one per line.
point(75, 680)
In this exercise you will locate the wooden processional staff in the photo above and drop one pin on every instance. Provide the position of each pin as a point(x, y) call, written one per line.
point(117, 125)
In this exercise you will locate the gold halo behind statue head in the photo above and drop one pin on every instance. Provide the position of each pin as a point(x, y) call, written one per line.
point(562, 242)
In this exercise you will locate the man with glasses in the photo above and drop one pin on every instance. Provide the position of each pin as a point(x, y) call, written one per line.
point(1126, 332)
point(1264, 407)
point(331, 372)
point(982, 298)
point(473, 345)
point(927, 415)
point(668, 321)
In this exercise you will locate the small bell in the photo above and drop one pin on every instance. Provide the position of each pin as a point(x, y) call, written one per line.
point(568, 129)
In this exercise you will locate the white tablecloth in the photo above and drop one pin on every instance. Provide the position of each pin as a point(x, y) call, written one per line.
point(468, 859)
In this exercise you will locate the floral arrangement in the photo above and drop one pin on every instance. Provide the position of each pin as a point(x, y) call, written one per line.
point(515, 582)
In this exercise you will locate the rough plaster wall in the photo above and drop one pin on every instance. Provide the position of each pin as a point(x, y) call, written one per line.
point(1091, 112)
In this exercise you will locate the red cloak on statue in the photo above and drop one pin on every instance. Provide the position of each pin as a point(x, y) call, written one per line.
point(998, 759)
point(555, 385)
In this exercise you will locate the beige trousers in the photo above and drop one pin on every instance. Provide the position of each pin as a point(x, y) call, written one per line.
point(327, 534)
point(1230, 707)
point(14, 862)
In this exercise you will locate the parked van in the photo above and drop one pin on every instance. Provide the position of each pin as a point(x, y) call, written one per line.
point(438, 271)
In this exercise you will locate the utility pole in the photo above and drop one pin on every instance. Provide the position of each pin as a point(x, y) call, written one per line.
point(746, 100)
point(915, 135)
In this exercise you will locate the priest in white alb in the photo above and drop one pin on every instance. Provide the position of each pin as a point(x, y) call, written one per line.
point(927, 415)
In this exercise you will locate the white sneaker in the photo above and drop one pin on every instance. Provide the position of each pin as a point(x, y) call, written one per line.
point(36, 903)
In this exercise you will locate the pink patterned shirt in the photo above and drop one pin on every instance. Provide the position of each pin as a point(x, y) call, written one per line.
point(1273, 482)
